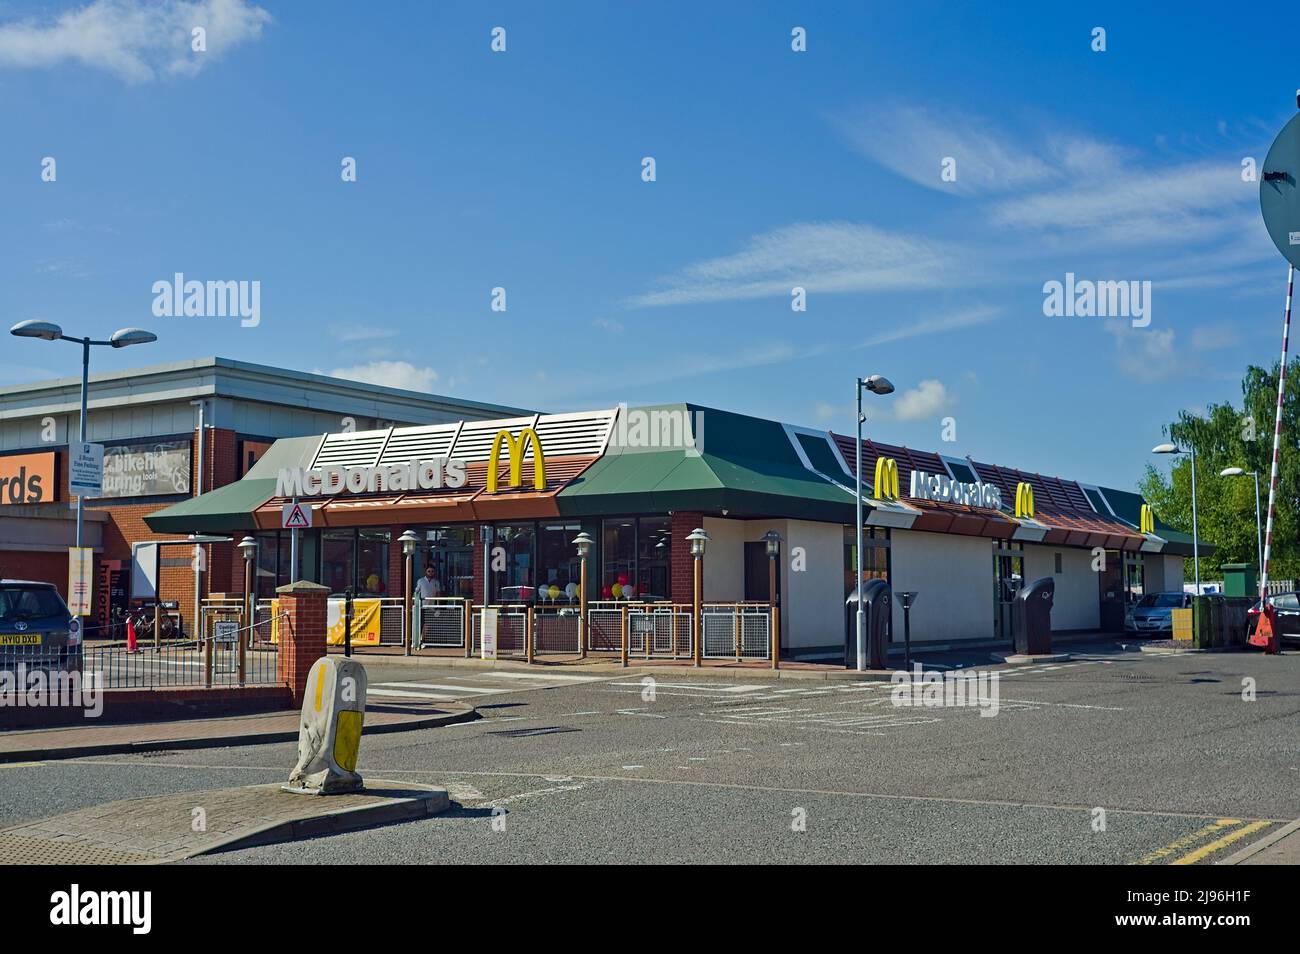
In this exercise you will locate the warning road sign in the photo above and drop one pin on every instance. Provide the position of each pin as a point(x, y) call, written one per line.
point(295, 516)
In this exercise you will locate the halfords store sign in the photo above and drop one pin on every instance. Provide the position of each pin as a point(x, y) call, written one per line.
point(946, 490)
point(28, 479)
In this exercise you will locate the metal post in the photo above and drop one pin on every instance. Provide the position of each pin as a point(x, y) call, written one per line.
point(696, 611)
point(907, 635)
point(1196, 547)
point(735, 631)
point(207, 656)
point(528, 635)
point(198, 548)
point(776, 613)
point(293, 550)
point(1275, 642)
point(582, 609)
point(467, 613)
point(347, 621)
point(85, 387)
point(250, 602)
point(406, 606)
point(622, 633)
point(857, 583)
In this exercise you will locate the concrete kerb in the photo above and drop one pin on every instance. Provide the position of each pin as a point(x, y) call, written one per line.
point(465, 713)
point(1268, 841)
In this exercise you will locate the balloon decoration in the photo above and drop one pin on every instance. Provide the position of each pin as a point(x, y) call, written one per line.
point(622, 579)
point(606, 591)
point(571, 590)
point(629, 591)
point(617, 590)
point(554, 591)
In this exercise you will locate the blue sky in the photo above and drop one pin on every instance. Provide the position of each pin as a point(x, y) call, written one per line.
point(522, 169)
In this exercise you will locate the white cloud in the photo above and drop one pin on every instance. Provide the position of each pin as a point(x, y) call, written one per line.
point(352, 333)
point(1147, 354)
point(924, 401)
point(818, 256)
point(391, 374)
point(136, 41)
point(913, 141)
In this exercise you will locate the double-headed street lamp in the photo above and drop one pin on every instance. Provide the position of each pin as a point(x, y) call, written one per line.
point(876, 384)
point(1196, 549)
point(1259, 531)
point(122, 338)
point(583, 541)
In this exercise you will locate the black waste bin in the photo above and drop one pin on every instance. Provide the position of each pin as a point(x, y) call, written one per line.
point(1031, 617)
point(877, 606)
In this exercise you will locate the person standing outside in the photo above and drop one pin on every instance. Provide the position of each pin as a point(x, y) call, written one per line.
point(427, 587)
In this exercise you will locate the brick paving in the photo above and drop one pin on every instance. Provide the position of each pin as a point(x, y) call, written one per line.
point(162, 828)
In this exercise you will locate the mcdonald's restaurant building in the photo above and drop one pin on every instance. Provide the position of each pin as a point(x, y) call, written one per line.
point(496, 505)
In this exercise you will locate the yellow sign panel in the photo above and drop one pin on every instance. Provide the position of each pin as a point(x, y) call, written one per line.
point(1182, 620)
point(886, 487)
point(1025, 500)
point(365, 622)
point(1148, 519)
point(516, 447)
point(81, 561)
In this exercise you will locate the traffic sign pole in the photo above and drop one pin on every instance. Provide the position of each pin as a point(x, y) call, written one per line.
point(293, 549)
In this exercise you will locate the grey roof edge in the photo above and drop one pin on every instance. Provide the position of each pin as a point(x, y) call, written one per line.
point(229, 378)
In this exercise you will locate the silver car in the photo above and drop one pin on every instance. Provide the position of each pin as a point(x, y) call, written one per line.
point(1153, 613)
point(36, 628)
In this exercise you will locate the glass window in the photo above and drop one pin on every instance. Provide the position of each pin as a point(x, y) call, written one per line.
point(875, 556)
point(654, 559)
point(511, 563)
point(336, 559)
point(272, 569)
point(618, 550)
point(372, 563)
point(558, 566)
point(450, 551)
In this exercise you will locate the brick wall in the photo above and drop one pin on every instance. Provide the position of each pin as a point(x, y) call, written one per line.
point(36, 565)
point(683, 564)
point(302, 634)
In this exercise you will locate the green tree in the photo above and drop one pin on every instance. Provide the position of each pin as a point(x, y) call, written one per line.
point(1227, 436)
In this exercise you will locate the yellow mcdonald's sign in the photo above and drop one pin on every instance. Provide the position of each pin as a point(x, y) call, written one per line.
point(1147, 520)
point(1025, 500)
point(886, 479)
point(516, 448)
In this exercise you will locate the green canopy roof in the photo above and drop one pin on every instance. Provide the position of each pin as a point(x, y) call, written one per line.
point(747, 466)
point(231, 507)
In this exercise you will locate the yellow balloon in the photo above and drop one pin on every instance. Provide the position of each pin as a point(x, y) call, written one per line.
point(554, 591)
point(617, 590)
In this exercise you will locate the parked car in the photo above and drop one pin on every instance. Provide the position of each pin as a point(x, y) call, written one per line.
point(1153, 613)
point(37, 628)
point(1286, 611)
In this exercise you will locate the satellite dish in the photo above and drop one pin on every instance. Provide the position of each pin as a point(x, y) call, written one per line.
point(1279, 191)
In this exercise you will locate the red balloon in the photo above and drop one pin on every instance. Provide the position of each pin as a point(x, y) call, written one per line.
point(606, 591)
point(622, 579)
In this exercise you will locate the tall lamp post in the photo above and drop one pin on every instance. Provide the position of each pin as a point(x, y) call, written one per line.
point(1196, 548)
point(1259, 527)
point(583, 542)
point(248, 547)
point(773, 540)
point(876, 384)
point(698, 539)
point(122, 338)
point(409, 542)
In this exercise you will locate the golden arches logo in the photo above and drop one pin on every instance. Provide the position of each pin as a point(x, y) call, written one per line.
point(1147, 521)
point(516, 447)
point(1025, 500)
point(886, 487)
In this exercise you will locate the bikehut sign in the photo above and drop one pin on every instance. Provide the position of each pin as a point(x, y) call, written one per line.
point(946, 490)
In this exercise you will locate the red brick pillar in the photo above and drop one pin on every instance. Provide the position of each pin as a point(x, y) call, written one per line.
point(683, 564)
point(302, 608)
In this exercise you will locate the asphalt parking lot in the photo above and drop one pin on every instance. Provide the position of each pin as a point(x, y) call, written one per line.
point(1163, 749)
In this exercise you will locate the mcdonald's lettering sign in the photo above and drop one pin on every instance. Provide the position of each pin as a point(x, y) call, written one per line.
point(1148, 519)
point(886, 479)
point(1025, 500)
point(516, 448)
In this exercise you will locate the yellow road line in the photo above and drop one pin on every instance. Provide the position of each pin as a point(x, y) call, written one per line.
point(21, 764)
point(1195, 856)
point(1187, 841)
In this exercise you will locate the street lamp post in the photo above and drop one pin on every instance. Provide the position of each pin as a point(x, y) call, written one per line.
point(122, 338)
point(1259, 527)
point(409, 542)
point(698, 539)
point(876, 384)
point(583, 542)
point(773, 540)
point(1196, 548)
point(248, 547)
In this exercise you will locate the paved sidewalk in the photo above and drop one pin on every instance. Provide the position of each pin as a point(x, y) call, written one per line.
point(161, 828)
point(34, 745)
point(1281, 847)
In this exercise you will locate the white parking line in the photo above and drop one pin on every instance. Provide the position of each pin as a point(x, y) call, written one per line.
point(410, 694)
point(436, 685)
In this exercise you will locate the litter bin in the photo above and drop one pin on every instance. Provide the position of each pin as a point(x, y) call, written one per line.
point(877, 606)
point(1031, 617)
